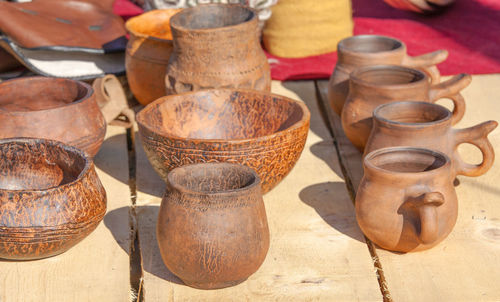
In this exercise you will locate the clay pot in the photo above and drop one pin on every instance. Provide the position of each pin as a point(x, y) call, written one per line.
point(50, 198)
point(264, 131)
point(212, 228)
point(216, 46)
point(370, 50)
point(59, 109)
point(420, 124)
point(376, 85)
point(406, 200)
point(148, 50)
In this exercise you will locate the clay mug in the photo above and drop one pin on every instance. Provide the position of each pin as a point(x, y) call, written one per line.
point(216, 46)
point(427, 125)
point(372, 86)
point(406, 200)
point(212, 227)
point(368, 50)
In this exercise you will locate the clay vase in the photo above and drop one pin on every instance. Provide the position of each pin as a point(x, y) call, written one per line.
point(427, 125)
point(372, 86)
point(406, 200)
point(212, 227)
point(216, 46)
point(59, 109)
point(148, 51)
point(50, 198)
point(370, 50)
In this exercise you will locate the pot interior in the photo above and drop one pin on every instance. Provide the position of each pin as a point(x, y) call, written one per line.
point(407, 160)
point(412, 113)
point(212, 16)
point(31, 164)
point(39, 93)
point(389, 75)
point(223, 115)
point(370, 44)
point(155, 23)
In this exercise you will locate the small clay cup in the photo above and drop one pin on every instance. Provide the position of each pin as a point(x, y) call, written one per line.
point(148, 51)
point(376, 85)
point(406, 200)
point(369, 50)
point(50, 198)
point(217, 46)
point(420, 124)
point(212, 227)
point(264, 131)
point(59, 109)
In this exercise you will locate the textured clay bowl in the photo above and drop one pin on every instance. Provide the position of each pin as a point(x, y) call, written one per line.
point(264, 131)
point(59, 109)
point(50, 198)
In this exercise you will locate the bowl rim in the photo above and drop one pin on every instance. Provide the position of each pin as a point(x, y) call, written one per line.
point(52, 143)
point(306, 115)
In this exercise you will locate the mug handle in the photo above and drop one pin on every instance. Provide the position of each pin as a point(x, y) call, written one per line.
point(478, 136)
point(450, 89)
point(426, 205)
point(427, 63)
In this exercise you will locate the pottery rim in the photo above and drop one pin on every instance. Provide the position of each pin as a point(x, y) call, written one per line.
point(443, 114)
point(52, 144)
point(131, 21)
point(397, 45)
point(419, 77)
point(142, 120)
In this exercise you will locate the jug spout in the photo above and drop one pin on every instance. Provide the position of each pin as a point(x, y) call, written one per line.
point(426, 205)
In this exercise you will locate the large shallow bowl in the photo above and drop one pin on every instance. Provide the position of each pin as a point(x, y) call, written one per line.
point(50, 198)
point(264, 131)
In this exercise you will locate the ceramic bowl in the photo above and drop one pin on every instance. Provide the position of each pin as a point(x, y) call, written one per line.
point(59, 109)
point(50, 198)
point(264, 131)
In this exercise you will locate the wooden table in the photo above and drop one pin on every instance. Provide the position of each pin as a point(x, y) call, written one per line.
point(317, 251)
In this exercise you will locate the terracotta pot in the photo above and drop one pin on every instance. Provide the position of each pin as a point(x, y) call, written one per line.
point(264, 131)
point(370, 50)
point(212, 228)
point(50, 198)
point(216, 46)
point(420, 124)
point(148, 50)
point(406, 200)
point(372, 86)
point(59, 109)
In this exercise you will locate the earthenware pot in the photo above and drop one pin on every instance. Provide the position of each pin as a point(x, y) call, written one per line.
point(50, 198)
point(148, 50)
point(369, 50)
point(264, 131)
point(212, 227)
point(216, 46)
point(376, 85)
point(427, 125)
point(59, 109)
point(406, 200)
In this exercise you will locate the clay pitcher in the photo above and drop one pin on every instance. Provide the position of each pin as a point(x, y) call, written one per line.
point(216, 46)
point(148, 51)
point(427, 125)
point(406, 200)
point(212, 227)
point(368, 50)
point(376, 85)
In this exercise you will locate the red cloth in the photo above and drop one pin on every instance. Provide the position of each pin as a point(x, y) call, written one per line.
point(469, 30)
point(126, 9)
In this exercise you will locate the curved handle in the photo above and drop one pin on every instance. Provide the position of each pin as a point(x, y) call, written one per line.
point(451, 89)
point(478, 136)
point(426, 205)
point(427, 63)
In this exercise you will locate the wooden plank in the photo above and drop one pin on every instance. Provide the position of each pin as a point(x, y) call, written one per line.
point(464, 267)
point(96, 269)
point(317, 251)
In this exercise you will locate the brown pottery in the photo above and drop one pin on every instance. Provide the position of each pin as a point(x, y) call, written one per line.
point(50, 198)
point(148, 50)
point(427, 125)
point(376, 85)
point(264, 131)
point(59, 109)
point(217, 46)
point(406, 200)
point(369, 50)
point(212, 227)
